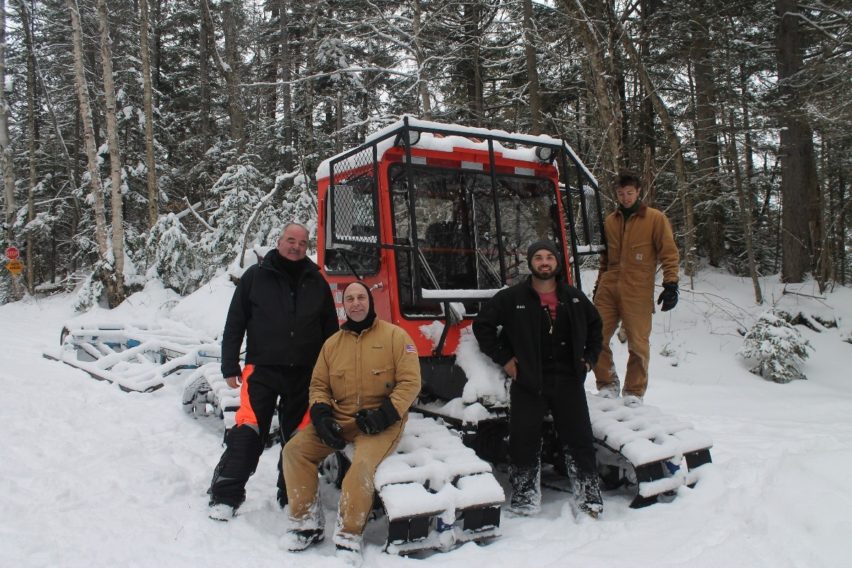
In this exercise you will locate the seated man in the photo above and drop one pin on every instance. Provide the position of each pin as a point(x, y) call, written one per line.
point(365, 379)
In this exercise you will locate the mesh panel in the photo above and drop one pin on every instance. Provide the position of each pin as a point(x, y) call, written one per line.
point(352, 237)
point(353, 198)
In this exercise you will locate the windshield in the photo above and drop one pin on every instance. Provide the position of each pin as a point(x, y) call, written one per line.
point(457, 232)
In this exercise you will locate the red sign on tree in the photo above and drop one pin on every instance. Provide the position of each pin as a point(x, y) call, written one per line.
point(12, 253)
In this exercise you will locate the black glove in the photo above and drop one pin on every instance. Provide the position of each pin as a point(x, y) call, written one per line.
point(326, 426)
point(374, 420)
point(668, 297)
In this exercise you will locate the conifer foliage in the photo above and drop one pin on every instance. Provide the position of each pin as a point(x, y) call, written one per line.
point(207, 143)
point(777, 348)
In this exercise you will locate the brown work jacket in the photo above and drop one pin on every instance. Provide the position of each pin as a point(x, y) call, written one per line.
point(356, 371)
point(635, 248)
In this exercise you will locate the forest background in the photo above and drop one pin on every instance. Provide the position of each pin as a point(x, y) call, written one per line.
point(148, 139)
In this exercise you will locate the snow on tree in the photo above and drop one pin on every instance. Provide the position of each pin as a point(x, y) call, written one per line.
point(778, 348)
point(240, 190)
point(177, 261)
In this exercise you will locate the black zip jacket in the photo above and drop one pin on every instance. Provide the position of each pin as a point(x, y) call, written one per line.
point(279, 330)
point(518, 310)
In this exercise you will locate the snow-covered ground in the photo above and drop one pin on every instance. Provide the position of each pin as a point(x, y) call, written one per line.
point(92, 476)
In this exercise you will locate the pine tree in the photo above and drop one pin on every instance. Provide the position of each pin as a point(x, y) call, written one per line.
point(777, 348)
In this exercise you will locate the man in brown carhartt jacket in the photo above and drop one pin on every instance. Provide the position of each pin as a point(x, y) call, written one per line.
point(638, 238)
point(365, 379)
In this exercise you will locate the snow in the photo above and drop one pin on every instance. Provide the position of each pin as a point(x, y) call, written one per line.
point(92, 476)
point(466, 138)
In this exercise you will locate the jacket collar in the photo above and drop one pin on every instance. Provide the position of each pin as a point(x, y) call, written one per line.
point(639, 212)
point(266, 263)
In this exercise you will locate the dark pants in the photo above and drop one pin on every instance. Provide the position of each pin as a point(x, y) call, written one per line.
point(565, 398)
point(264, 388)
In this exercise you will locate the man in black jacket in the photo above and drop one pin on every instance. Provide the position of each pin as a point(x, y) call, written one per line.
point(550, 339)
point(284, 308)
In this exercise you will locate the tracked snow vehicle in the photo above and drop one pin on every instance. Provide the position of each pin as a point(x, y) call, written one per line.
point(436, 219)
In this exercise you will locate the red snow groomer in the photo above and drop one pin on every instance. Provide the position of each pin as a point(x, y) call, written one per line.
point(436, 219)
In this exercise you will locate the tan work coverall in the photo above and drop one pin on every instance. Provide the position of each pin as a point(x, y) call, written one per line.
point(625, 289)
point(353, 372)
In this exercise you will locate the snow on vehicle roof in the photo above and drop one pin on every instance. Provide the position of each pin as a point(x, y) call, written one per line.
point(463, 137)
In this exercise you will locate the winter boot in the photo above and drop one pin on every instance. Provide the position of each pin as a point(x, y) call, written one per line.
point(237, 464)
point(632, 400)
point(588, 494)
point(302, 533)
point(296, 540)
point(526, 490)
point(348, 548)
point(584, 487)
point(221, 512)
point(610, 390)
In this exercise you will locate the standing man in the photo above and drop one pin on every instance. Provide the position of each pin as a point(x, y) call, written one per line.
point(638, 238)
point(284, 308)
point(366, 378)
point(550, 339)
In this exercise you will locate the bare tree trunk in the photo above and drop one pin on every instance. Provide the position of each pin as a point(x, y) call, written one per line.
point(647, 135)
point(801, 222)
point(148, 103)
point(204, 33)
point(706, 135)
point(157, 52)
point(606, 94)
point(285, 65)
point(6, 155)
point(32, 136)
point(748, 147)
point(228, 69)
point(840, 225)
point(745, 208)
point(269, 94)
point(676, 150)
point(473, 75)
point(232, 80)
point(420, 58)
point(91, 149)
point(117, 295)
point(338, 123)
point(532, 69)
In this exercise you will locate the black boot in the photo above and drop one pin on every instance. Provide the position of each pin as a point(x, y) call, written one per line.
point(589, 499)
point(526, 490)
point(238, 462)
point(584, 486)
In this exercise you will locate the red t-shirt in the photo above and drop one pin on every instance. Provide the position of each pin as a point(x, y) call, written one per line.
point(549, 300)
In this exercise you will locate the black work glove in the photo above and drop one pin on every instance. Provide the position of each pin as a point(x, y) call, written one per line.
point(374, 420)
point(668, 297)
point(326, 426)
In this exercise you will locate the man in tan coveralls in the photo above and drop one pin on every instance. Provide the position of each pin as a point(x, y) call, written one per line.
point(638, 238)
point(365, 379)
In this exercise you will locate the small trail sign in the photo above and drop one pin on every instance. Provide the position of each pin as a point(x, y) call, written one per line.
point(12, 253)
point(15, 267)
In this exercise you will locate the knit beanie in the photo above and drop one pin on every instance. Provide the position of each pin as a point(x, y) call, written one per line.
point(546, 245)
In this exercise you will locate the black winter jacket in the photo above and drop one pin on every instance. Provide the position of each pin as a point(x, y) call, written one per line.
point(279, 331)
point(518, 310)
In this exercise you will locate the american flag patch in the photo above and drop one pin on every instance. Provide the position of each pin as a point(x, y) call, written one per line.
point(410, 348)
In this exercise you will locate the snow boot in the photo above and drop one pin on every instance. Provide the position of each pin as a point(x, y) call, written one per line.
point(526, 490)
point(584, 486)
point(302, 533)
point(297, 540)
point(610, 390)
point(632, 401)
point(348, 548)
point(589, 498)
point(221, 512)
